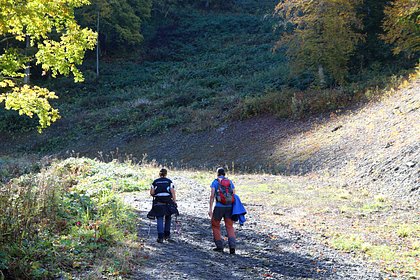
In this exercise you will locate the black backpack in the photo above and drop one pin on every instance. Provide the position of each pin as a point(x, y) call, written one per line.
point(162, 186)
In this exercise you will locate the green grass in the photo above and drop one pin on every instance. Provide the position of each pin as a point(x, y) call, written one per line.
point(348, 243)
point(407, 230)
point(69, 219)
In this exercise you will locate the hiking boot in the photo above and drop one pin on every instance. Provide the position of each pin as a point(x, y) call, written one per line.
point(159, 240)
point(217, 249)
point(168, 239)
point(232, 251)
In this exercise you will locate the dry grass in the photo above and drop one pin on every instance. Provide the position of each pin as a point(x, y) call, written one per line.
point(370, 226)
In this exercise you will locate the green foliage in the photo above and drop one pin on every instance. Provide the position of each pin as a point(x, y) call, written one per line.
point(324, 35)
point(120, 22)
point(206, 59)
point(168, 8)
point(32, 100)
point(402, 26)
point(15, 167)
point(275, 103)
point(66, 217)
point(60, 43)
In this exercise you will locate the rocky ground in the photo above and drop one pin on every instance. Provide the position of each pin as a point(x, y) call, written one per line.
point(265, 250)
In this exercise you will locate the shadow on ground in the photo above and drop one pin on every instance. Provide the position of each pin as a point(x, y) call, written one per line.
point(259, 255)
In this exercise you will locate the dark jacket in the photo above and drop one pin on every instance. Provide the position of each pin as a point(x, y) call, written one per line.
point(162, 209)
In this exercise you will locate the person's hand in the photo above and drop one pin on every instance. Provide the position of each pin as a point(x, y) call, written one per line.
point(210, 214)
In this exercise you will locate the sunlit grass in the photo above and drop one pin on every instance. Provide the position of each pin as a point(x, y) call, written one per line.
point(353, 221)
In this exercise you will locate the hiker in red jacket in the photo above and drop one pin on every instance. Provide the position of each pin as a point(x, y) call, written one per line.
point(222, 190)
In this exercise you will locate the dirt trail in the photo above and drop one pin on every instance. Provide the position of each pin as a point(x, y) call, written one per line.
point(264, 250)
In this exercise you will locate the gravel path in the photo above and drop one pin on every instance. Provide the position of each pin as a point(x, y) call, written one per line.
point(264, 251)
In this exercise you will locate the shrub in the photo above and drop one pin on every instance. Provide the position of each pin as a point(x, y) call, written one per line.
point(274, 102)
point(62, 218)
point(293, 103)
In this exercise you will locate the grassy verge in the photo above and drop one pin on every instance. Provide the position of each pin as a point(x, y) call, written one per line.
point(69, 221)
point(369, 226)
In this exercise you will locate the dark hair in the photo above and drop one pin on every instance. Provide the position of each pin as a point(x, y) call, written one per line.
point(163, 172)
point(220, 172)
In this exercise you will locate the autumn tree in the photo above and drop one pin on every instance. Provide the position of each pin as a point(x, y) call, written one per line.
point(320, 35)
point(59, 46)
point(402, 26)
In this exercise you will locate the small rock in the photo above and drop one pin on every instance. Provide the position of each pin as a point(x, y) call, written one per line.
point(411, 164)
point(389, 144)
point(336, 128)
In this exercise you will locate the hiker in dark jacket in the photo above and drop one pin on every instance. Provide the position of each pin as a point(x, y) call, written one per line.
point(222, 190)
point(164, 204)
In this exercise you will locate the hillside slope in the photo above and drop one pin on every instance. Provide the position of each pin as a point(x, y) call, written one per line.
point(377, 145)
point(175, 105)
point(192, 62)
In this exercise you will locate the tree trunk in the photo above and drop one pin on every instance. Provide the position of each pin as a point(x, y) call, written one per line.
point(321, 76)
point(26, 78)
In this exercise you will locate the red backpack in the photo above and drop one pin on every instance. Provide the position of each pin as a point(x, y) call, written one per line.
point(224, 191)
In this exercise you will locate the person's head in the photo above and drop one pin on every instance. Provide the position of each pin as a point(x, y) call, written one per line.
point(163, 172)
point(221, 172)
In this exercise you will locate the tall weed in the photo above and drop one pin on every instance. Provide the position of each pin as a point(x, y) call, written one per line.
point(58, 221)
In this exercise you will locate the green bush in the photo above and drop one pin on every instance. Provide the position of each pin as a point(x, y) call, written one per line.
point(292, 103)
point(65, 217)
point(276, 103)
